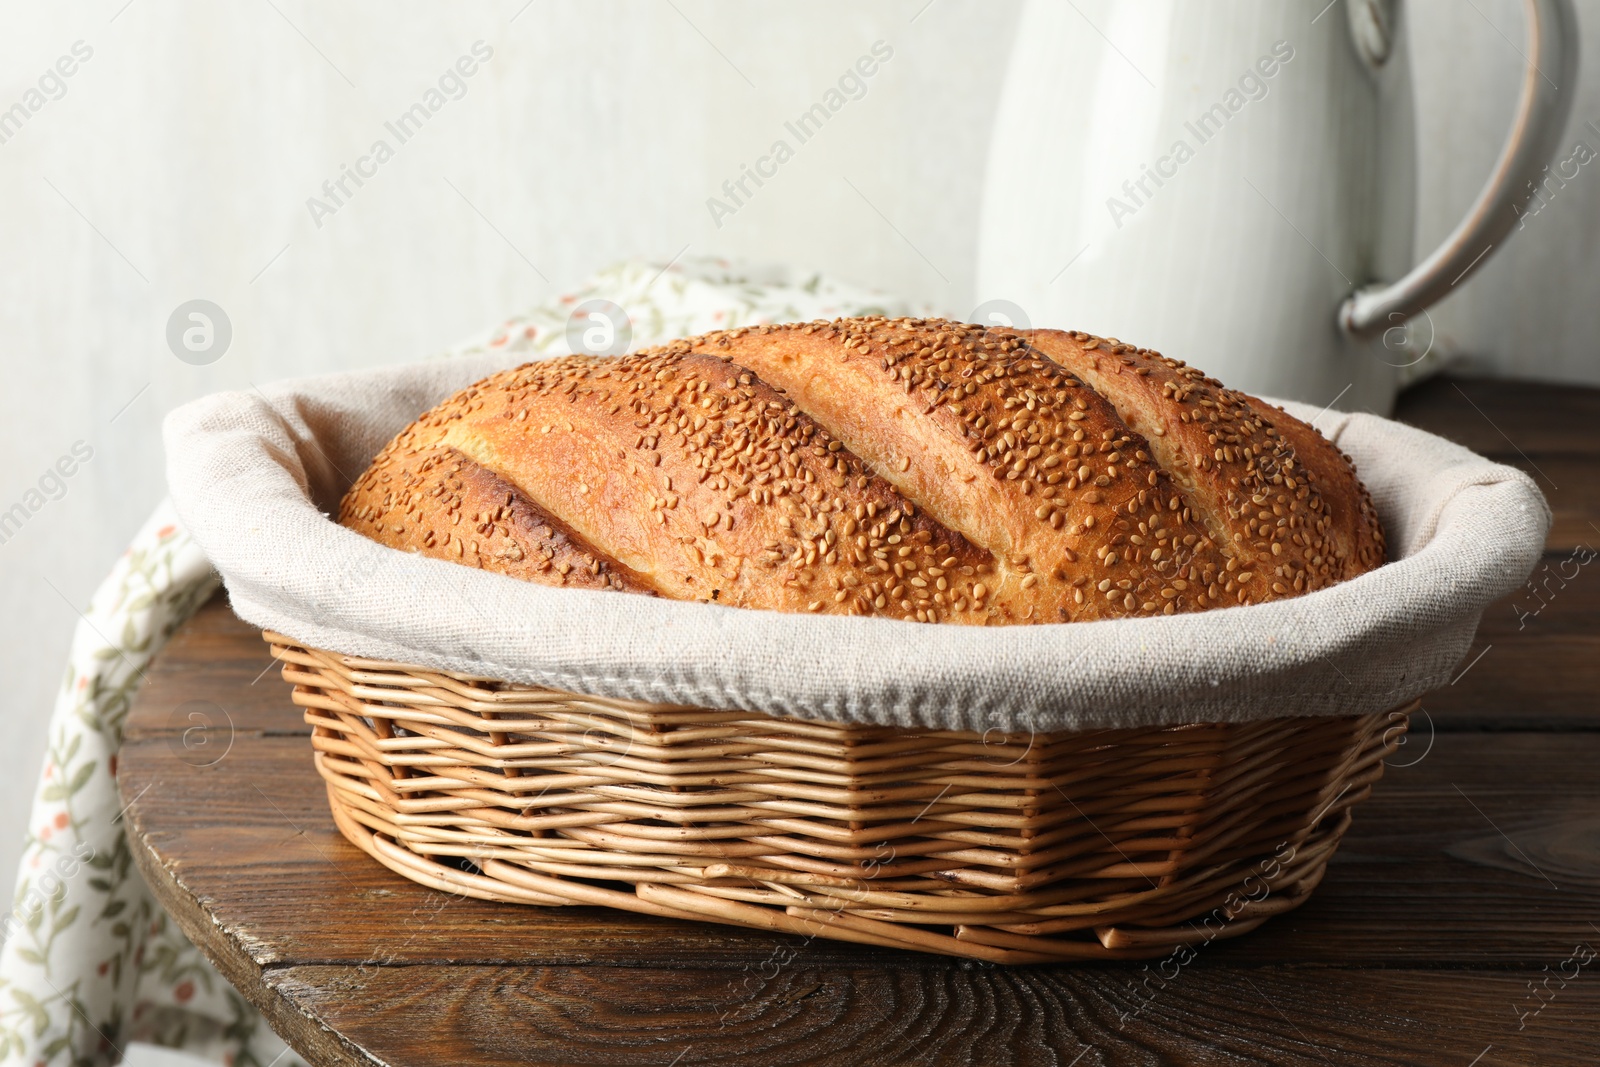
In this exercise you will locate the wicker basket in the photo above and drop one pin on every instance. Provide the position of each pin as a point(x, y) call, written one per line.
point(1009, 848)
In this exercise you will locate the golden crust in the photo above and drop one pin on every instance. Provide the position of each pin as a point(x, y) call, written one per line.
point(1353, 531)
point(916, 469)
point(703, 483)
point(1005, 446)
point(1286, 502)
point(440, 502)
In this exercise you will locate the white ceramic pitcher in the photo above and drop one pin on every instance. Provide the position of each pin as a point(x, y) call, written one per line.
point(1232, 182)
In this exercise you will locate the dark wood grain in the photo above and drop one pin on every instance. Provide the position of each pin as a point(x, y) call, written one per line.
point(1472, 872)
point(864, 1016)
point(1500, 418)
point(1568, 669)
point(1560, 599)
point(219, 660)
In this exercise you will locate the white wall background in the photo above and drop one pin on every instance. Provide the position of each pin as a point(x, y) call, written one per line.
point(1532, 311)
point(178, 163)
point(194, 136)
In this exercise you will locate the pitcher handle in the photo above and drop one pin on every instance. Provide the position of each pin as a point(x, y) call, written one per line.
point(1540, 119)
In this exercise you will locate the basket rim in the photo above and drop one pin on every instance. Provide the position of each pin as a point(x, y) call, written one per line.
point(248, 469)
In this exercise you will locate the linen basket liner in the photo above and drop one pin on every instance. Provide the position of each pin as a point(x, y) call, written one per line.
point(255, 475)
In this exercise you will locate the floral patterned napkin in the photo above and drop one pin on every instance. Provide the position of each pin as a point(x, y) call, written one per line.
point(90, 961)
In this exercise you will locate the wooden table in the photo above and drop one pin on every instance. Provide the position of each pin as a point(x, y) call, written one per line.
point(1473, 872)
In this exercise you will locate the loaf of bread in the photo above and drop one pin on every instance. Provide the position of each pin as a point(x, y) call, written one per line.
point(906, 468)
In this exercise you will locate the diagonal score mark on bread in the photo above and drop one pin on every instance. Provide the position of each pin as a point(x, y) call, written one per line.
point(1352, 528)
point(687, 473)
point(1008, 448)
point(1255, 473)
point(523, 540)
point(915, 469)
